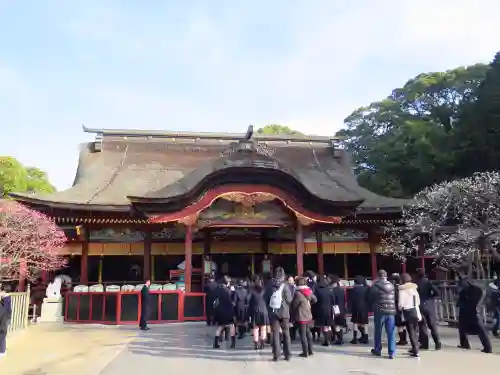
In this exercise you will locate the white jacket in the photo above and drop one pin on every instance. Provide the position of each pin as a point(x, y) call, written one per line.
point(408, 298)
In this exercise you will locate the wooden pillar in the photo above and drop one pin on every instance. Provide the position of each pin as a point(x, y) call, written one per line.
point(299, 246)
point(319, 247)
point(84, 264)
point(421, 252)
point(188, 246)
point(346, 268)
point(100, 269)
point(146, 271)
point(373, 254)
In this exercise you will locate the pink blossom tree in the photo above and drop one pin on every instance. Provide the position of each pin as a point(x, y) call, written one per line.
point(29, 242)
point(460, 221)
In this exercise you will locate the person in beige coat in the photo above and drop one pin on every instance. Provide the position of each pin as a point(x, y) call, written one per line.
point(408, 304)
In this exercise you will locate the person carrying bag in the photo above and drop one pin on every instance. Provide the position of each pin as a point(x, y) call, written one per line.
point(408, 304)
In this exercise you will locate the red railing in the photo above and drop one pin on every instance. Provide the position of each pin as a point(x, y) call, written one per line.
point(168, 306)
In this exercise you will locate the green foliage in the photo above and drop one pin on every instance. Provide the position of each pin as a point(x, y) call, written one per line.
point(407, 141)
point(15, 177)
point(276, 129)
point(478, 137)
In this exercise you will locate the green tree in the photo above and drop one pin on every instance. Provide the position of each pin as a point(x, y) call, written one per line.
point(15, 177)
point(477, 140)
point(404, 143)
point(276, 129)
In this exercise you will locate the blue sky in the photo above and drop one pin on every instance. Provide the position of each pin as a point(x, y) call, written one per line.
point(215, 65)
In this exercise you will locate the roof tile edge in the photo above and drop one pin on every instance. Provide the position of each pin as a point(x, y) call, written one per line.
point(209, 135)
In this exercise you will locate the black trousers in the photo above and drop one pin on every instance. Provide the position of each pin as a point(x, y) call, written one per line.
point(306, 337)
point(143, 321)
point(411, 328)
point(284, 324)
point(482, 334)
point(427, 323)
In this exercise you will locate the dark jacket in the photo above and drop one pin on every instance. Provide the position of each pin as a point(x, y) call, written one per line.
point(224, 301)
point(324, 308)
point(286, 299)
point(240, 299)
point(146, 307)
point(339, 298)
point(7, 303)
point(469, 297)
point(301, 304)
point(427, 292)
point(359, 302)
point(494, 295)
point(4, 320)
point(257, 302)
point(210, 290)
point(383, 297)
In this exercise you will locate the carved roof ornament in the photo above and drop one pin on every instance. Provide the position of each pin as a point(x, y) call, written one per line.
point(247, 144)
point(248, 199)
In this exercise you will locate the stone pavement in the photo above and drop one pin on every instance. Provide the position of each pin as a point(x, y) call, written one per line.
point(56, 349)
point(186, 349)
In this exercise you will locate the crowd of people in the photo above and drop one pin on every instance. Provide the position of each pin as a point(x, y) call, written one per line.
point(276, 309)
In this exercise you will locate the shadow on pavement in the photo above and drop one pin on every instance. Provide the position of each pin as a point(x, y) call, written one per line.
point(190, 341)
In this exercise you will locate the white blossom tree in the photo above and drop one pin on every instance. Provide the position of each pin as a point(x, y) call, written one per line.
point(460, 221)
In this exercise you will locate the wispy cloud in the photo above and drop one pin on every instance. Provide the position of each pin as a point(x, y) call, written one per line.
point(219, 65)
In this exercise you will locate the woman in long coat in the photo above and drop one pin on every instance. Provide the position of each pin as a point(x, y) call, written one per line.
point(339, 320)
point(240, 299)
point(324, 309)
point(469, 323)
point(258, 311)
point(224, 312)
point(359, 305)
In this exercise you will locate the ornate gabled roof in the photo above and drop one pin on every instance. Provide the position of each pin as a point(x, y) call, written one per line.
point(165, 165)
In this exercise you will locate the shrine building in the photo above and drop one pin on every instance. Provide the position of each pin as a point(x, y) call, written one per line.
point(164, 205)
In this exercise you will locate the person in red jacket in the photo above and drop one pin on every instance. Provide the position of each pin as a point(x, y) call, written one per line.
point(302, 315)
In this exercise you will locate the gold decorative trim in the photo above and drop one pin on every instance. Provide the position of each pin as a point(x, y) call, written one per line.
point(189, 220)
point(248, 199)
point(305, 221)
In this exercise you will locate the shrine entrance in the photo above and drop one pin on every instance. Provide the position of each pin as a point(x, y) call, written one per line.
point(238, 265)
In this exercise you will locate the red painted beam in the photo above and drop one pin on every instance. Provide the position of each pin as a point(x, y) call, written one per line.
point(218, 192)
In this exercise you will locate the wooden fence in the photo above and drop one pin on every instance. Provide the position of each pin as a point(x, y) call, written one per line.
point(20, 311)
point(447, 310)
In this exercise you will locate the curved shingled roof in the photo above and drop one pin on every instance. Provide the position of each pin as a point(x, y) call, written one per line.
point(149, 165)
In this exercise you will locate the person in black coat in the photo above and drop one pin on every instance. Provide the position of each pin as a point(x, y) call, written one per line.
point(210, 290)
point(278, 299)
point(428, 294)
point(224, 312)
point(339, 319)
point(494, 305)
point(258, 311)
point(5, 316)
point(324, 309)
point(359, 305)
point(240, 300)
point(146, 307)
point(469, 323)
